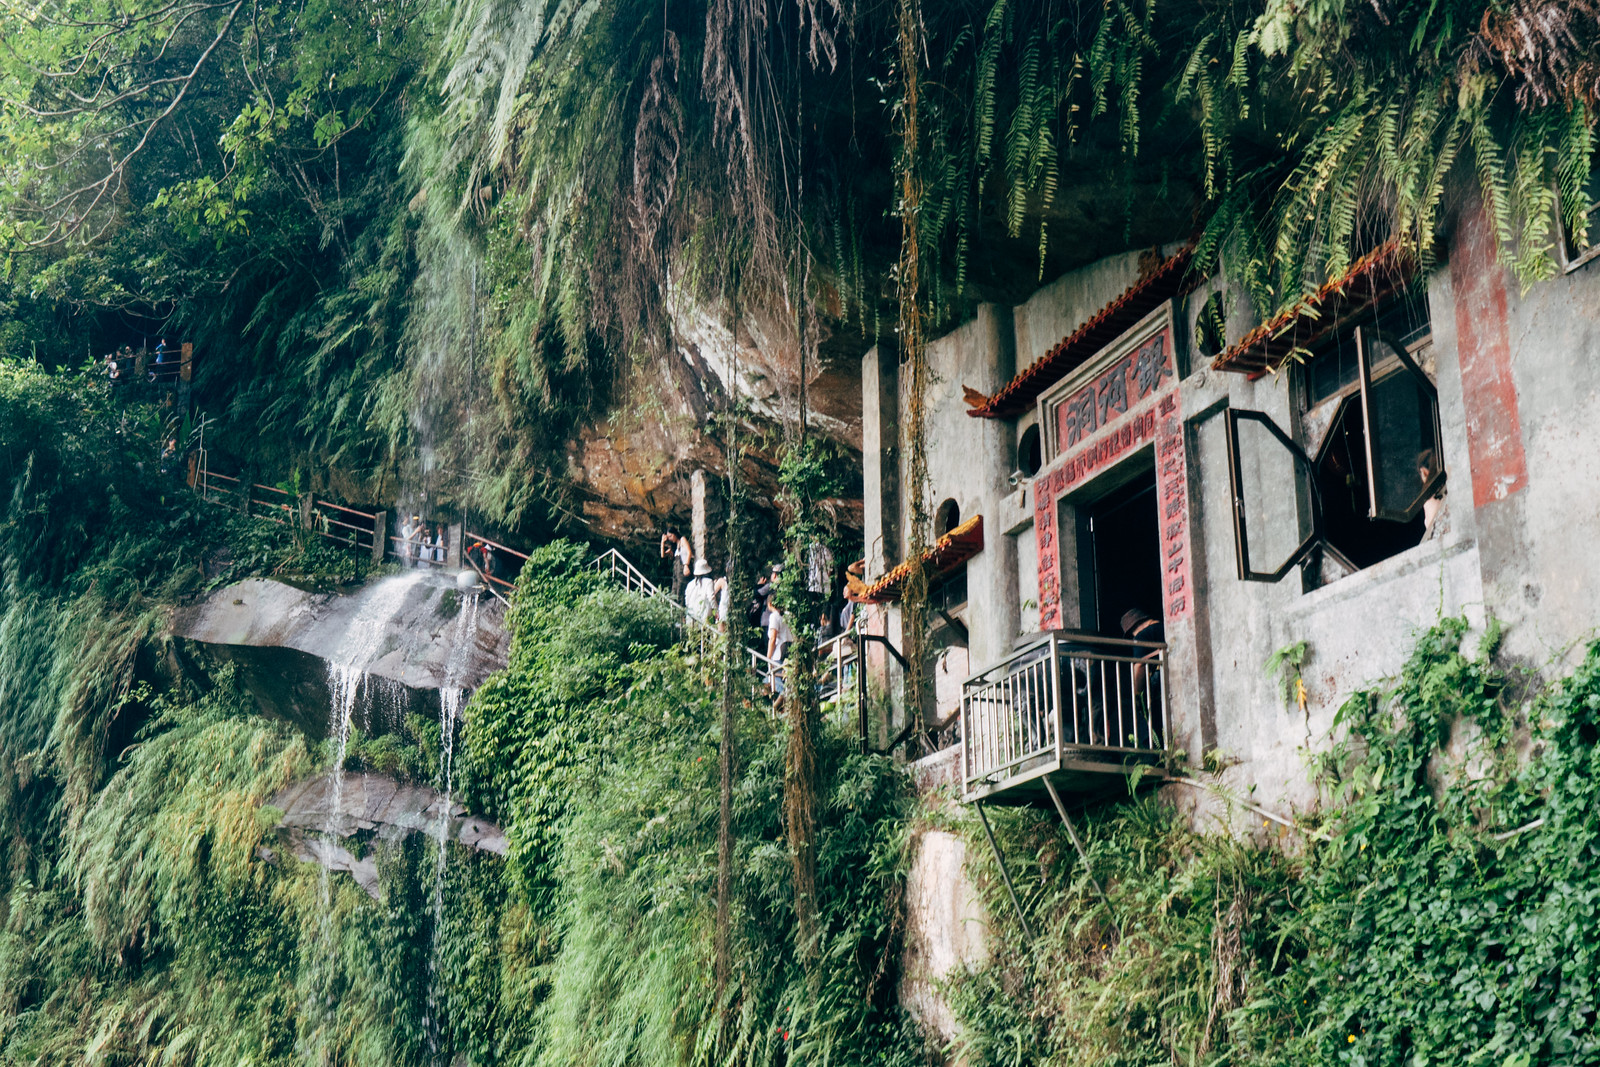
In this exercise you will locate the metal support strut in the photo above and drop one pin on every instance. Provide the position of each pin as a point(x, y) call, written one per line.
point(1072, 832)
point(1005, 875)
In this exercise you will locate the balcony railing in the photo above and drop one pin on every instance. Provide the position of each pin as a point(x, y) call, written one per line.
point(1074, 707)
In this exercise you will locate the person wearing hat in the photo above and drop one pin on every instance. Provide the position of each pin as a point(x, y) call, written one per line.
point(699, 597)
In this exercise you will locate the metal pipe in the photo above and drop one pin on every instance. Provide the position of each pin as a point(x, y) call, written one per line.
point(1005, 875)
point(1072, 832)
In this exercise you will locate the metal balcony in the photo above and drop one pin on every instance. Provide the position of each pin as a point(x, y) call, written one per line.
point(1067, 711)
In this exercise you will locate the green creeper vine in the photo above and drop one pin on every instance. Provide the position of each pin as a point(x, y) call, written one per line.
point(913, 359)
point(1443, 907)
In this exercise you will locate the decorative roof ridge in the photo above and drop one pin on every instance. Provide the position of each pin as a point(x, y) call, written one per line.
point(1168, 279)
point(1385, 268)
point(945, 552)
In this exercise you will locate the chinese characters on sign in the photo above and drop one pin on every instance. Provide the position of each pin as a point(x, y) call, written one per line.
point(1101, 401)
point(1172, 485)
point(1092, 435)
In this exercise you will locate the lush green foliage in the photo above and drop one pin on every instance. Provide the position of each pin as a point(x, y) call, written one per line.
point(1448, 916)
point(154, 913)
point(421, 242)
point(598, 746)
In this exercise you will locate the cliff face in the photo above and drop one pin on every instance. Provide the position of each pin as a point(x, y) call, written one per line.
point(631, 470)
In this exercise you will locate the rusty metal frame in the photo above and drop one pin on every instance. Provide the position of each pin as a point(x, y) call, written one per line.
point(1241, 537)
point(1369, 438)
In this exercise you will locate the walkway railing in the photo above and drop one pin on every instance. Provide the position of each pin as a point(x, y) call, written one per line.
point(344, 525)
point(274, 504)
point(491, 581)
point(841, 683)
point(619, 566)
point(1067, 701)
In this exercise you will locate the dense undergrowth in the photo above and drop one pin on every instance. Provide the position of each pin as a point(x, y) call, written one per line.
point(598, 749)
point(153, 912)
point(1442, 911)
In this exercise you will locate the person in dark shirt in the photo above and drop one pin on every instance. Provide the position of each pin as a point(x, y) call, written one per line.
point(1139, 626)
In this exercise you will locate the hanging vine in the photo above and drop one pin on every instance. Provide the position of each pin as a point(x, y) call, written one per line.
point(913, 360)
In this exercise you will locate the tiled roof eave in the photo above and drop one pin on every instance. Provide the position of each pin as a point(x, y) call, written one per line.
point(1369, 281)
point(1168, 280)
point(944, 555)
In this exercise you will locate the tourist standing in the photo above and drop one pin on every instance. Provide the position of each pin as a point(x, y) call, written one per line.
point(676, 547)
point(699, 597)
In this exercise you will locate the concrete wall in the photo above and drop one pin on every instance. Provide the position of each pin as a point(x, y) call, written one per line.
point(946, 929)
point(1530, 364)
point(1519, 400)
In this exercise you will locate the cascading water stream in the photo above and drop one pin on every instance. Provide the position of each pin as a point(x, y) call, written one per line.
point(347, 681)
point(347, 672)
point(451, 697)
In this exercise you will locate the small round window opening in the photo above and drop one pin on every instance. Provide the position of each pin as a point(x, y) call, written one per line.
point(1030, 457)
point(947, 518)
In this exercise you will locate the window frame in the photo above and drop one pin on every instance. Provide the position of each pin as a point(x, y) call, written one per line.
point(1241, 535)
point(1306, 464)
point(1370, 445)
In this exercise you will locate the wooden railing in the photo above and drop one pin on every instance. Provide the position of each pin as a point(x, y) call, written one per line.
point(344, 526)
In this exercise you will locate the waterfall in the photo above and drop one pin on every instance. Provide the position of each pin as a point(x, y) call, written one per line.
point(451, 698)
point(347, 673)
point(347, 682)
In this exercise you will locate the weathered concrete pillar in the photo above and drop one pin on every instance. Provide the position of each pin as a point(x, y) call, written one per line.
point(452, 552)
point(983, 356)
point(880, 457)
point(380, 535)
point(307, 503)
point(698, 491)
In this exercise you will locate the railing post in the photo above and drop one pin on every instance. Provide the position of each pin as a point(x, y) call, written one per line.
point(306, 503)
point(380, 535)
point(861, 688)
point(452, 553)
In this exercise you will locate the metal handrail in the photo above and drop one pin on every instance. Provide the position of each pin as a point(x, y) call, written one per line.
point(1063, 696)
point(467, 537)
point(633, 578)
point(845, 669)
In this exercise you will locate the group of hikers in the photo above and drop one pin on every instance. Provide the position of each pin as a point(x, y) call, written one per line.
point(427, 544)
point(422, 543)
point(708, 599)
point(120, 365)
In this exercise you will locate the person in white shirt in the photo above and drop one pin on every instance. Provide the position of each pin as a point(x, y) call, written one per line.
point(779, 638)
point(410, 533)
point(723, 592)
point(699, 597)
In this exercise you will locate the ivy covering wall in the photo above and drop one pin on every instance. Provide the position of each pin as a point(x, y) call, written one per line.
point(1441, 909)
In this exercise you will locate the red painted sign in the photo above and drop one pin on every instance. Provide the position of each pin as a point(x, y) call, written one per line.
point(1172, 487)
point(1483, 343)
point(1131, 403)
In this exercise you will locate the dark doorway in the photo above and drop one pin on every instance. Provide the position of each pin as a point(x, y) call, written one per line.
point(1121, 555)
